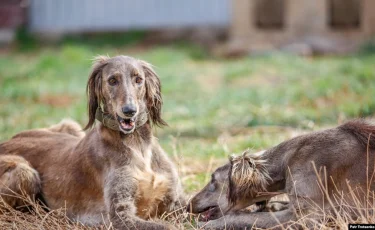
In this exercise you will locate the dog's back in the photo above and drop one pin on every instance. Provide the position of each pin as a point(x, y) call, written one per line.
point(363, 130)
point(26, 157)
point(327, 165)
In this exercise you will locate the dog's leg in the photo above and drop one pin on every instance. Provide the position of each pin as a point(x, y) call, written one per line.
point(18, 180)
point(248, 220)
point(272, 206)
point(175, 199)
point(120, 200)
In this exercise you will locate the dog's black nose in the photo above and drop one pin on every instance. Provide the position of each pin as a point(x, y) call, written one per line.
point(129, 110)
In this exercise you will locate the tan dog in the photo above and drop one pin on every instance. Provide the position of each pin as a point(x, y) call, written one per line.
point(116, 169)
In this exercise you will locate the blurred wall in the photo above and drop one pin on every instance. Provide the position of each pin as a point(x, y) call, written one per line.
point(115, 15)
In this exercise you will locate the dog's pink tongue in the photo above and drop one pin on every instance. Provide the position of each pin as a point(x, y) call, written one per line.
point(206, 215)
point(126, 125)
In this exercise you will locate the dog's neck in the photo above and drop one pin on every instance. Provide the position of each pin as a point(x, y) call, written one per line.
point(110, 131)
point(140, 135)
point(274, 167)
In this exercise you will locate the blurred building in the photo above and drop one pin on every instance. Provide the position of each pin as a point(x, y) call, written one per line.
point(113, 15)
point(252, 25)
point(12, 15)
point(319, 26)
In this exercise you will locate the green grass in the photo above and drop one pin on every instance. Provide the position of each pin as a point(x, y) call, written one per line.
point(214, 107)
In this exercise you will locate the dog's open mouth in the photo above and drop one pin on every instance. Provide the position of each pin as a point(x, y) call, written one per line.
point(126, 124)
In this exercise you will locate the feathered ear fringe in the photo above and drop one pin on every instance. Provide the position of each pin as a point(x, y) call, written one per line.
point(247, 176)
point(94, 88)
point(153, 94)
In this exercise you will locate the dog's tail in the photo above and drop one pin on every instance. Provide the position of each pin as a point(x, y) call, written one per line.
point(363, 130)
point(68, 126)
point(17, 180)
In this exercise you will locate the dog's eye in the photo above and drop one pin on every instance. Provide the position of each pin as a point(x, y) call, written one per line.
point(112, 81)
point(138, 80)
point(212, 187)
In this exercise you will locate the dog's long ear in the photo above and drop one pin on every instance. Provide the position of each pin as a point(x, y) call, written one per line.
point(94, 88)
point(247, 176)
point(153, 94)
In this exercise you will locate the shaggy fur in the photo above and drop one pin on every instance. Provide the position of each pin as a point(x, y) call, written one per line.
point(319, 172)
point(248, 176)
point(121, 174)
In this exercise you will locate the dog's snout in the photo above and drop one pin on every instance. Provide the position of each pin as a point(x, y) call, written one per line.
point(129, 110)
point(191, 206)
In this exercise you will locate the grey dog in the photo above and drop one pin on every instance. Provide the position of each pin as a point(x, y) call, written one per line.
point(330, 171)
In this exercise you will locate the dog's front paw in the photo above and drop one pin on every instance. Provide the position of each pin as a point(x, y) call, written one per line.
point(275, 206)
point(177, 205)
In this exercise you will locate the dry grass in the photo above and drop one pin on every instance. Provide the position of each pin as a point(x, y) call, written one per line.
point(35, 216)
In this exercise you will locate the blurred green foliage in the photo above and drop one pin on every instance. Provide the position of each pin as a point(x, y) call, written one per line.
point(368, 48)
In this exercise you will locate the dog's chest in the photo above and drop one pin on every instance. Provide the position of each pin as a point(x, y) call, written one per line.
point(152, 187)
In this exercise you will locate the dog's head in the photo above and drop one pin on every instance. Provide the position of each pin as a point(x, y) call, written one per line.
point(233, 186)
point(125, 88)
point(211, 202)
